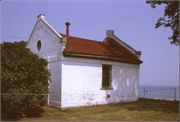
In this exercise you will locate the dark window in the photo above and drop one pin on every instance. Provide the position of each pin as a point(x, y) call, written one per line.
point(39, 45)
point(106, 76)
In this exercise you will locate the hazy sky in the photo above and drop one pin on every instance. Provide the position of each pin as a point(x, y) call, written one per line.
point(132, 21)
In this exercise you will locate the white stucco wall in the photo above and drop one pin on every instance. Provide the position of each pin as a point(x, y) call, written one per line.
point(55, 86)
point(82, 80)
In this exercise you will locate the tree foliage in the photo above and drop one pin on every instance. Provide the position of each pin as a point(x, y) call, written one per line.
point(24, 79)
point(170, 19)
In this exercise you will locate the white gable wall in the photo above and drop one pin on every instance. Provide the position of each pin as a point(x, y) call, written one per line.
point(50, 43)
point(51, 49)
point(82, 80)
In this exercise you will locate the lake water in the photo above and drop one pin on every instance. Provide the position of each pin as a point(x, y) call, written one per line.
point(159, 92)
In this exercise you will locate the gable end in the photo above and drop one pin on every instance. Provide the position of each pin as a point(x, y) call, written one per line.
point(110, 34)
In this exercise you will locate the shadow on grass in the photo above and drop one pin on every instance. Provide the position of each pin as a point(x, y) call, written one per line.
point(145, 104)
point(36, 112)
point(6, 117)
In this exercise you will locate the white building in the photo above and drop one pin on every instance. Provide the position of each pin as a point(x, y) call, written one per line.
point(86, 72)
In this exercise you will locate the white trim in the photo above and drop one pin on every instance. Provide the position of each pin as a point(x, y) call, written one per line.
point(51, 28)
point(91, 61)
point(48, 80)
point(55, 102)
point(125, 44)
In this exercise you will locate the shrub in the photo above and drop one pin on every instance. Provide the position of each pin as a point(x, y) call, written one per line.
point(24, 79)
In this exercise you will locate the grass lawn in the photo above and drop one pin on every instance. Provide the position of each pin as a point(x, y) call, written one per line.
point(142, 110)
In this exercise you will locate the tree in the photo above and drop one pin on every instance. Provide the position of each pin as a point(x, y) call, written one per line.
point(24, 79)
point(170, 19)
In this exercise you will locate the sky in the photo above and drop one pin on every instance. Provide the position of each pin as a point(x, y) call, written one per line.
point(132, 21)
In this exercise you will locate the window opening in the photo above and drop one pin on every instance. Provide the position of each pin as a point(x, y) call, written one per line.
point(106, 76)
point(39, 45)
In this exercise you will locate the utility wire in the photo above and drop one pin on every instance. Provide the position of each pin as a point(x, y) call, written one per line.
point(15, 37)
point(158, 89)
point(53, 94)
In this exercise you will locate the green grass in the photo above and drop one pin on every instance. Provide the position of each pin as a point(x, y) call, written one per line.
point(142, 110)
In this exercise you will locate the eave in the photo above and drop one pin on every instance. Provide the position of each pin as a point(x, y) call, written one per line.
point(90, 56)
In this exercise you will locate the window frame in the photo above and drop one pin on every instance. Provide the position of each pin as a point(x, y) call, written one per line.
point(110, 78)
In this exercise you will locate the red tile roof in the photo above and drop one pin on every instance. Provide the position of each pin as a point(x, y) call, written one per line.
point(111, 49)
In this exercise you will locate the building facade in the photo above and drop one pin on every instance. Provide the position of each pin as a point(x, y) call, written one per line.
point(86, 72)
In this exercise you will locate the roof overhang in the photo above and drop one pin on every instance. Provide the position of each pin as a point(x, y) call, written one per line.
point(90, 56)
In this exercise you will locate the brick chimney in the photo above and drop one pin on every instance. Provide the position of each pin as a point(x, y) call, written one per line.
point(67, 28)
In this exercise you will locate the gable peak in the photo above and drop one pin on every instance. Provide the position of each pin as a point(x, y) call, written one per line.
point(109, 33)
point(40, 16)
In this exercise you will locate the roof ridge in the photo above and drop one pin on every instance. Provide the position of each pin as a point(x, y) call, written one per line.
point(79, 38)
point(125, 43)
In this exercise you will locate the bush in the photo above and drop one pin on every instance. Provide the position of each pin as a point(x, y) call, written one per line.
point(24, 79)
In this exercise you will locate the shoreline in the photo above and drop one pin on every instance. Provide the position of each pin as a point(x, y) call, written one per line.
point(166, 99)
point(160, 99)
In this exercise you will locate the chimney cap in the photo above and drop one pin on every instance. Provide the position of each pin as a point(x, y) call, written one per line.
point(67, 23)
point(109, 33)
point(40, 16)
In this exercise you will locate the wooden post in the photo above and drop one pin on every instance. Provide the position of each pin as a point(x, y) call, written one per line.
point(174, 93)
point(144, 93)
